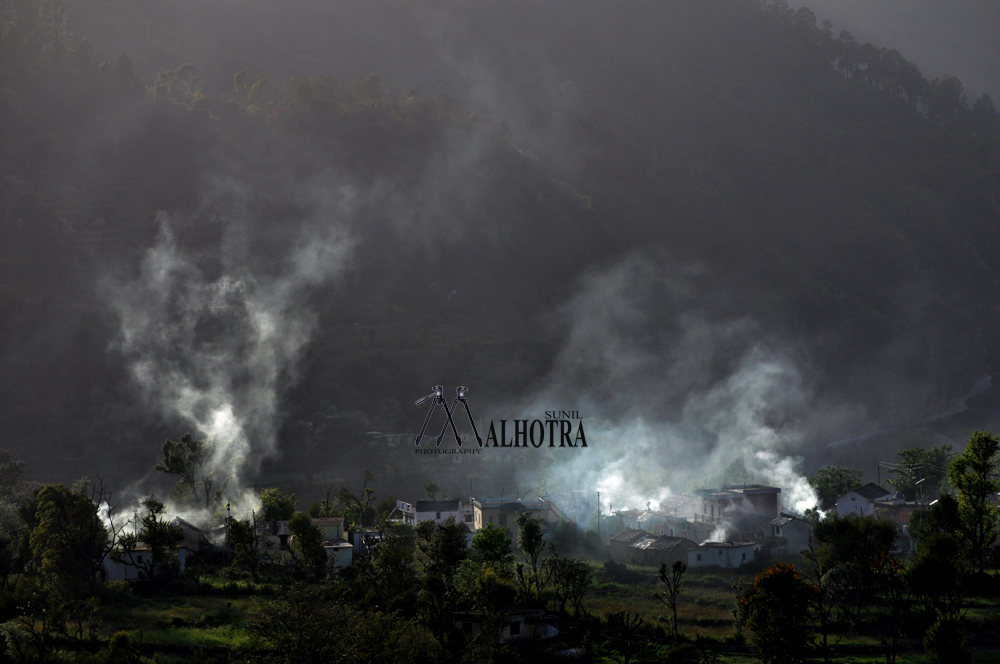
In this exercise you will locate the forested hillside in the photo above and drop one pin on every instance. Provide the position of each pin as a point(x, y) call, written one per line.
point(461, 166)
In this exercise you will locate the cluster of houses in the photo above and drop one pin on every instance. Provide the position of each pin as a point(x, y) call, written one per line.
point(726, 527)
point(737, 524)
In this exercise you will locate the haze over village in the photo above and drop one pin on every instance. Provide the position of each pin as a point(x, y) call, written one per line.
point(526, 331)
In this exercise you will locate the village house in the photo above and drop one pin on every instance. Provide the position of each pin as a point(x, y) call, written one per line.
point(733, 500)
point(339, 552)
point(130, 568)
point(193, 535)
point(574, 507)
point(721, 554)
point(861, 501)
point(522, 623)
point(435, 510)
point(789, 535)
point(641, 548)
point(896, 509)
point(504, 511)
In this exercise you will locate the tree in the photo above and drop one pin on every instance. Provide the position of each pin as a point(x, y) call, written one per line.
point(852, 550)
point(250, 547)
point(357, 509)
point(325, 508)
point(432, 490)
point(570, 581)
point(534, 578)
point(672, 590)
point(892, 594)
point(832, 482)
point(11, 477)
point(307, 539)
point(817, 573)
point(69, 540)
point(942, 516)
point(277, 505)
point(972, 476)
point(777, 610)
point(296, 628)
point(621, 628)
point(945, 641)
point(935, 573)
point(440, 550)
point(190, 460)
point(491, 548)
point(922, 472)
point(161, 539)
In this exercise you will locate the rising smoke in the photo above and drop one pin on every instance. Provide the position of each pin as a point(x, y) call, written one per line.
point(214, 343)
point(676, 394)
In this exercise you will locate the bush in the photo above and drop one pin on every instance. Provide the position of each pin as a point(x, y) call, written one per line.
point(945, 641)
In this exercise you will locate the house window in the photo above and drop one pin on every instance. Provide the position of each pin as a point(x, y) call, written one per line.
point(438, 515)
point(852, 499)
point(503, 520)
point(777, 531)
point(468, 518)
point(138, 559)
point(283, 541)
point(698, 555)
point(720, 552)
point(744, 556)
point(515, 628)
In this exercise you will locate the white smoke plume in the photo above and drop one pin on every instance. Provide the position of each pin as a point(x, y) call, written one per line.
point(217, 346)
point(674, 394)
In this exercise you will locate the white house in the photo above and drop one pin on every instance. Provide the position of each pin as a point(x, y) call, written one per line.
point(721, 554)
point(131, 572)
point(789, 535)
point(434, 510)
point(861, 501)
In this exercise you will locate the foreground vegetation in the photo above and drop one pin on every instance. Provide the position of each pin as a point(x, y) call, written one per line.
point(422, 594)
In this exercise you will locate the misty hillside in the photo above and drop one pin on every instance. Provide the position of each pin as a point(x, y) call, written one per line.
point(310, 212)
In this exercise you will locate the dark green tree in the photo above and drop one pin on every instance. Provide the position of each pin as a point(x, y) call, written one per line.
point(69, 540)
point(832, 482)
point(358, 508)
point(190, 460)
point(777, 614)
point(570, 580)
point(153, 550)
point(440, 550)
point(935, 575)
point(945, 641)
point(491, 548)
point(296, 629)
point(942, 516)
point(852, 549)
point(276, 505)
point(307, 540)
point(624, 640)
point(533, 576)
point(973, 475)
point(922, 472)
point(250, 547)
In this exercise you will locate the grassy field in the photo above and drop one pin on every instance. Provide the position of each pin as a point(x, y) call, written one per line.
point(210, 617)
